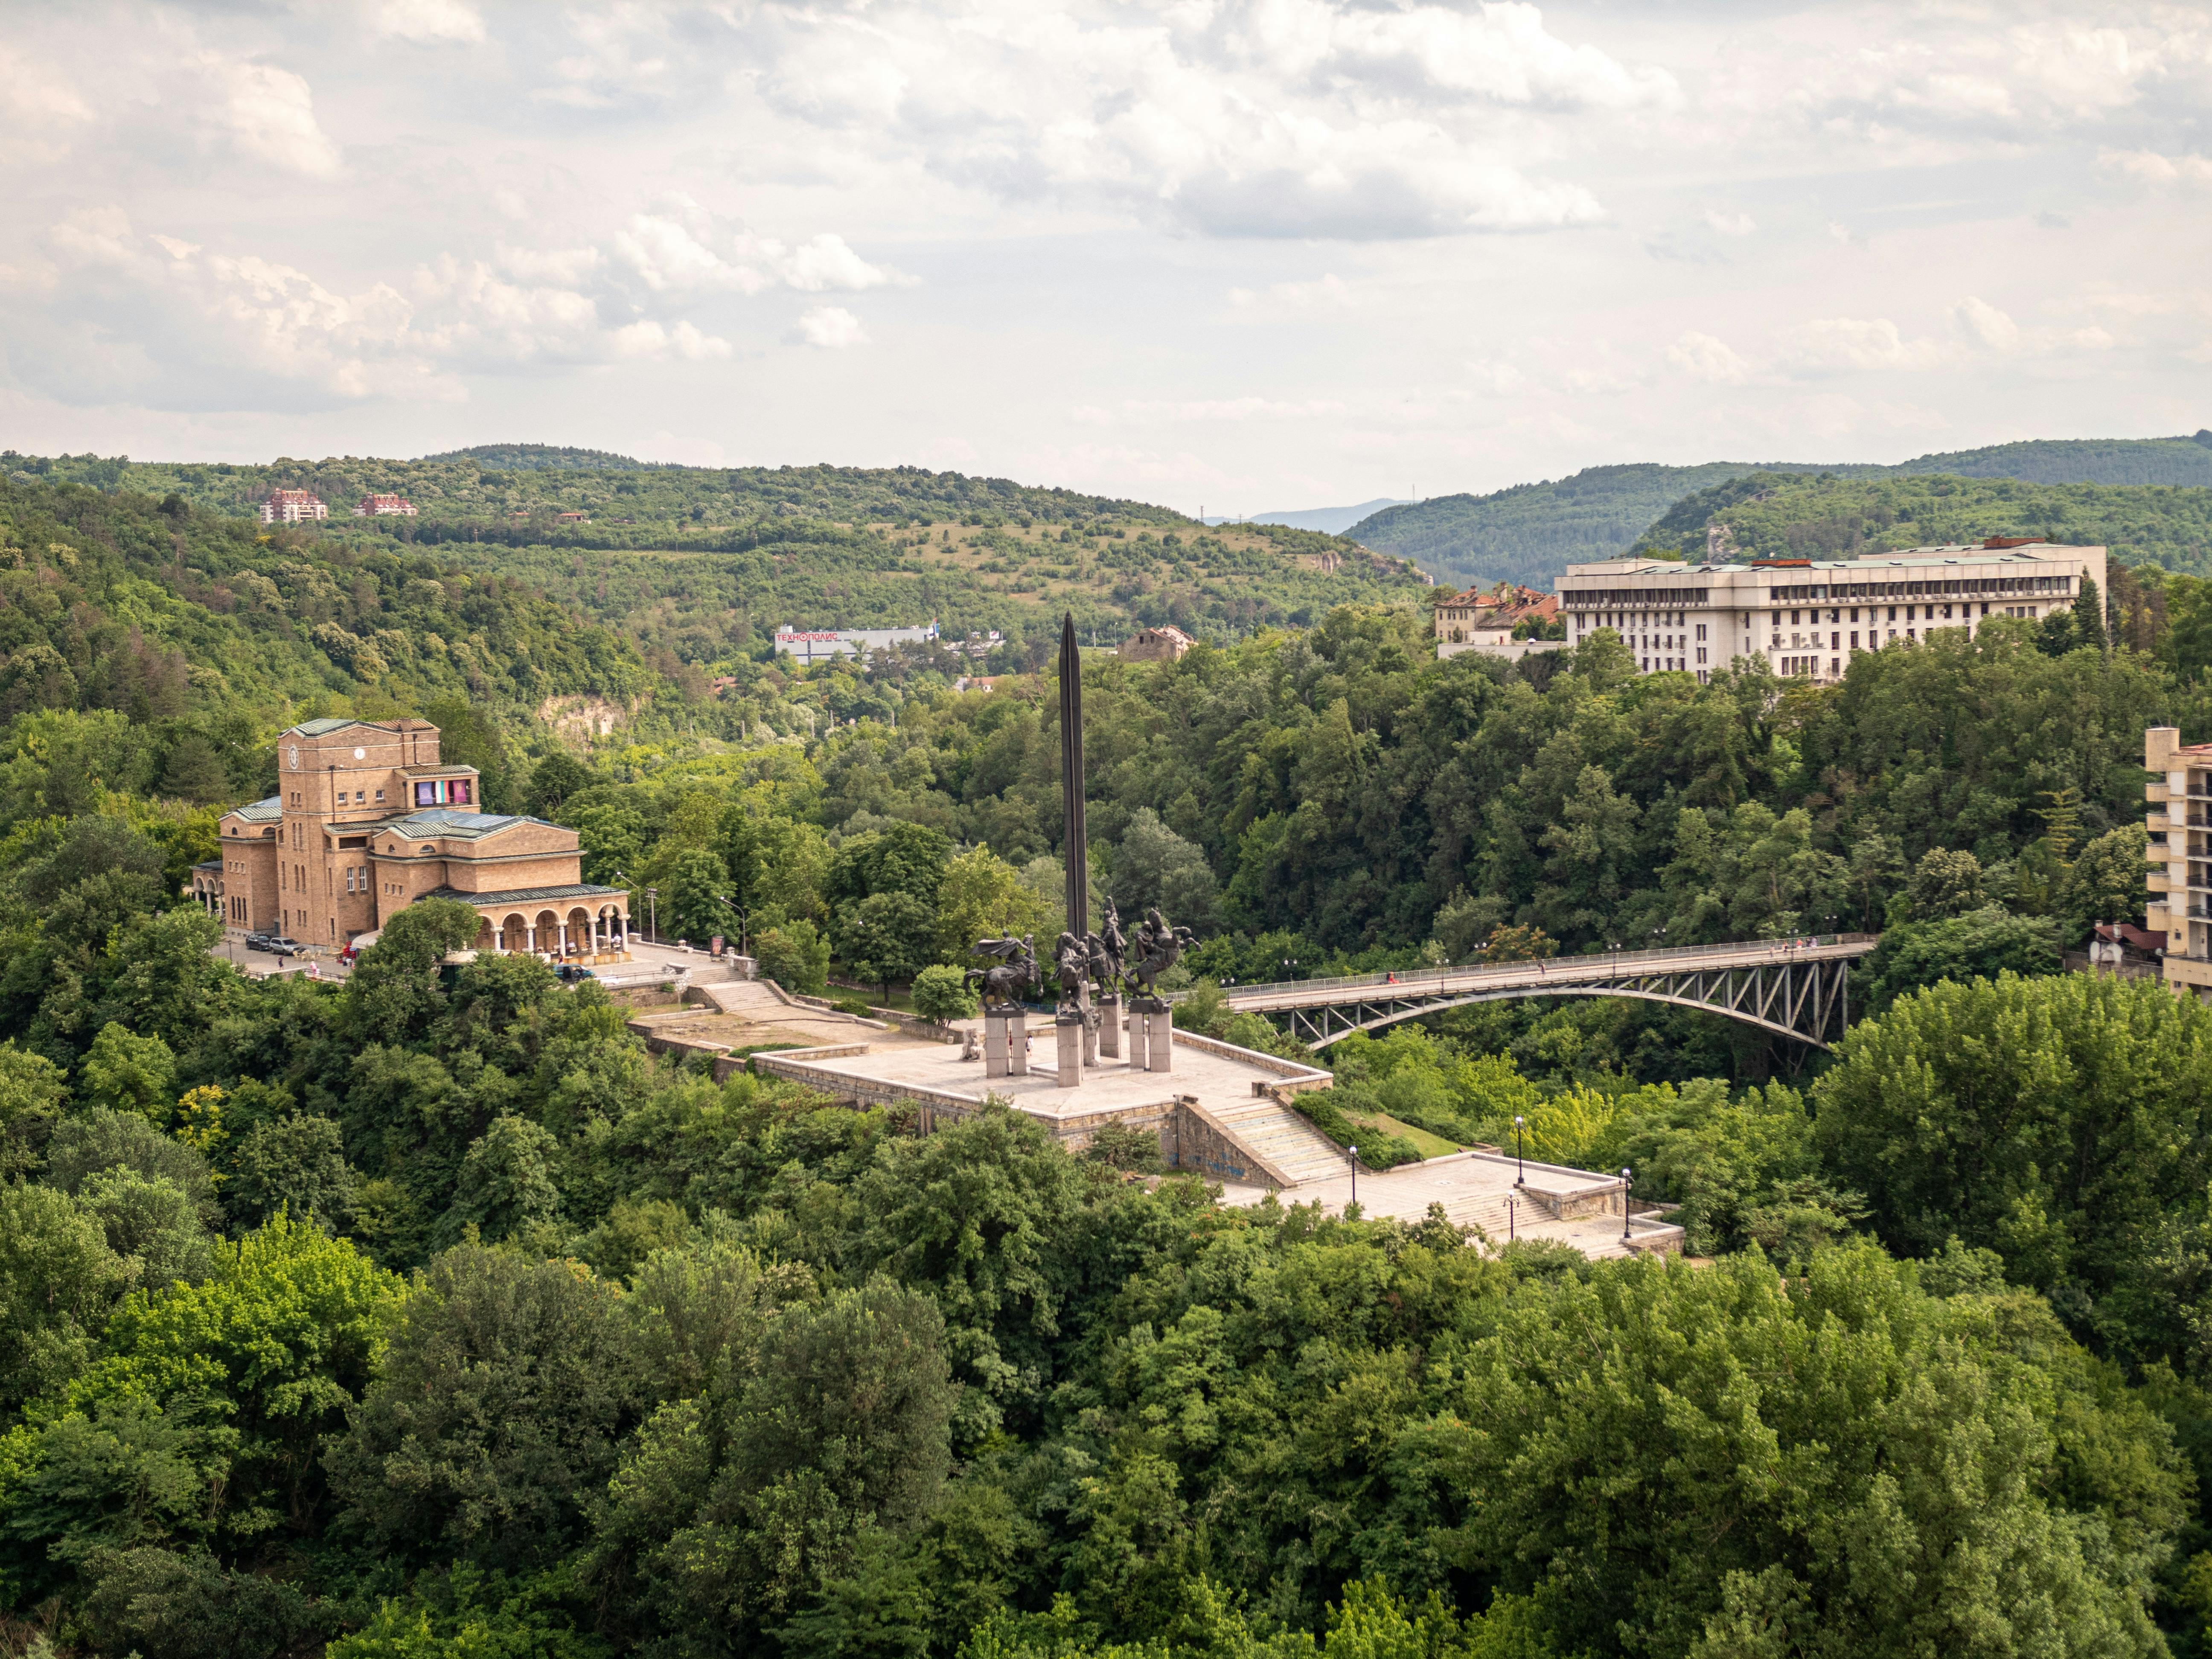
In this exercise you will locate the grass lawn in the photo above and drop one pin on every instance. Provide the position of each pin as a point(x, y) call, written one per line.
point(1430, 1145)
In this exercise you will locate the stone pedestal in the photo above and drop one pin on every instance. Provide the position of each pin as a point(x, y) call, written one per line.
point(1109, 1027)
point(1152, 1035)
point(1090, 1039)
point(1071, 1032)
point(1005, 1045)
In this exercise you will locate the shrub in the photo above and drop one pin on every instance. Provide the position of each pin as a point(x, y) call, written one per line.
point(942, 993)
point(796, 957)
point(1378, 1148)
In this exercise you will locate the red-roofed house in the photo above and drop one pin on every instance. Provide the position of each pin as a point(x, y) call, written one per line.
point(1475, 621)
point(378, 507)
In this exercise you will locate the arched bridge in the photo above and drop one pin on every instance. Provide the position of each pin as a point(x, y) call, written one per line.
point(1792, 988)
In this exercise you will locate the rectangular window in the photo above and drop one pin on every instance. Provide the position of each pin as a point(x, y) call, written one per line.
point(1855, 638)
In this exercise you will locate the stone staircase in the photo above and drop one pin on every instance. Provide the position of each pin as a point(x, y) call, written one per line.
point(1284, 1138)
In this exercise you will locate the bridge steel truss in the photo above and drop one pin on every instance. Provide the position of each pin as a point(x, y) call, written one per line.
point(1803, 997)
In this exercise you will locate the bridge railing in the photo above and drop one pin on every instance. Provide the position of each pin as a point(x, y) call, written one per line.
point(1416, 979)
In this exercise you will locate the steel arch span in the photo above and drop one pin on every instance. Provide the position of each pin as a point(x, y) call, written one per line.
point(1799, 990)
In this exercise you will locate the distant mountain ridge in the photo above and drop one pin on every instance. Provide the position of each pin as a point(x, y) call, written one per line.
point(1329, 520)
point(1531, 533)
point(546, 458)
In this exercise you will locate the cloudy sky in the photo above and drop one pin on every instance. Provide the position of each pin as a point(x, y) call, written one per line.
point(1253, 255)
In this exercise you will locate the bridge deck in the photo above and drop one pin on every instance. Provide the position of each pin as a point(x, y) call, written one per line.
point(1612, 966)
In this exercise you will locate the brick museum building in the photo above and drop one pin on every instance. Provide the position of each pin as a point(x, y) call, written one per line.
point(368, 819)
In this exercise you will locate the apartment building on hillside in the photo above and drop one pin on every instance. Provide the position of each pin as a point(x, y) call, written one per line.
point(2179, 856)
point(293, 506)
point(1809, 616)
point(368, 819)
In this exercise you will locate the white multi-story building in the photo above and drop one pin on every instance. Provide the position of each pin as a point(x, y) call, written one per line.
point(1809, 616)
point(293, 506)
point(819, 645)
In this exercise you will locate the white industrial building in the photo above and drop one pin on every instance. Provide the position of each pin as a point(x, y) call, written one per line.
point(820, 645)
point(1809, 616)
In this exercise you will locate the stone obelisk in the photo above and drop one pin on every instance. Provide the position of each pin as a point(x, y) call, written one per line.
point(1074, 1029)
point(1071, 780)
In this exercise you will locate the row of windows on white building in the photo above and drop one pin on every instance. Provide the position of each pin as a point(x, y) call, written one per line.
point(1670, 648)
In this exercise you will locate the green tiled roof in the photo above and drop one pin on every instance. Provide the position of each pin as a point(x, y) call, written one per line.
point(316, 728)
point(442, 822)
point(259, 811)
point(529, 895)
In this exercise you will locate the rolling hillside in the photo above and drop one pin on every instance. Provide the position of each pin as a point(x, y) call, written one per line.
point(701, 565)
point(1530, 532)
point(1774, 514)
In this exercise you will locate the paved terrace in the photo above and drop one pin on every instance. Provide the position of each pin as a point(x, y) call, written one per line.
point(1578, 1207)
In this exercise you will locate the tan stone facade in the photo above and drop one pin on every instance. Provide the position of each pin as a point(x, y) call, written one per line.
point(368, 818)
point(1165, 644)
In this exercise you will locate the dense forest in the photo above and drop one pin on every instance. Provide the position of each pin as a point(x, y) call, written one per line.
point(1531, 533)
point(1777, 515)
point(704, 567)
point(428, 1314)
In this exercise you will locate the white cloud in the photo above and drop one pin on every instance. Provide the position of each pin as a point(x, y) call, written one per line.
point(431, 22)
point(649, 339)
point(1984, 324)
point(1329, 292)
point(680, 249)
point(1731, 224)
point(172, 325)
point(1213, 409)
point(269, 115)
point(1286, 117)
point(2155, 168)
point(1707, 358)
point(826, 263)
point(1832, 345)
point(668, 254)
point(831, 327)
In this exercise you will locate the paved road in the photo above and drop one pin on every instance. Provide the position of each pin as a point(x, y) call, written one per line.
point(1424, 982)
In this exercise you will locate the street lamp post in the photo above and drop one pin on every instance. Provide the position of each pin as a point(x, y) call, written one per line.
point(1627, 1181)
point(652, 911)
point(1520, 1157)
point(741, 915)
point(1354, 1150)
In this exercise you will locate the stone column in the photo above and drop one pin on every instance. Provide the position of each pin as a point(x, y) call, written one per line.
point(1160, 1027)
point(1141, 1054)
point(994, 1045)
point(530, 938)
point(1017, 1043)
point(1070, 1031)
point(1109, 1026)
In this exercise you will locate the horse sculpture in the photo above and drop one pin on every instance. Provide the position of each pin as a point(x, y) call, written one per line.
point(1015, 972)
point(1158, 948)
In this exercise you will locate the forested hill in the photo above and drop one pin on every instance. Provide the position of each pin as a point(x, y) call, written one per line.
point(201, 633)
point(1781, 514)
point(495, 484)
point(1531, 533)
point(701, 566)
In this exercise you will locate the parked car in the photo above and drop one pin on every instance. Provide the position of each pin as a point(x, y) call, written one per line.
point(259, 941)
point(286, 947)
